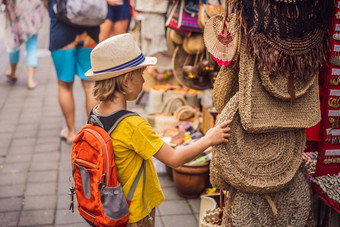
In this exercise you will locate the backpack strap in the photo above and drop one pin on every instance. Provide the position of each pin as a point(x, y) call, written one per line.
point(109, 122)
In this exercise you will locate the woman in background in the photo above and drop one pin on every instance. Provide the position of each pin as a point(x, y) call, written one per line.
point(118, 18)
point(23, 21)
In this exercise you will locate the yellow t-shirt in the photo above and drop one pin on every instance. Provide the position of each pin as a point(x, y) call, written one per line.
point(134, 140)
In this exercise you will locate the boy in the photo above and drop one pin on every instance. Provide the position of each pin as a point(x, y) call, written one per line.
point(117, 67)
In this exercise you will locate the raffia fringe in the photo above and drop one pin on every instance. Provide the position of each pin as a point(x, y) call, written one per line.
point(275, 61)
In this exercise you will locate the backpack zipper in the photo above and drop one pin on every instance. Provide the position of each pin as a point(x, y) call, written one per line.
point(97, 135)
point(85, 163)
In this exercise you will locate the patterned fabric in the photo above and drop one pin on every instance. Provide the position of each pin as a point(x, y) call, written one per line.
point(23, 20)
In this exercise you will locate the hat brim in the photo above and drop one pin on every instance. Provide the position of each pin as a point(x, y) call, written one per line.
point(107, 75)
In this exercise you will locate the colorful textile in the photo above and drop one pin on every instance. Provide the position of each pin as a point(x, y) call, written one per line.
point(23, 20)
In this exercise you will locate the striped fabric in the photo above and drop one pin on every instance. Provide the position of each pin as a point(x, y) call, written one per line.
point(134, 62)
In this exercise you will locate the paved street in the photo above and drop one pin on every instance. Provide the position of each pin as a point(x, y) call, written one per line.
point(35, 165)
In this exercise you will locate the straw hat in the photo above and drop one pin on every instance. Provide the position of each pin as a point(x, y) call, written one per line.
point(115, 56)
point(179, 58)
point(225, 86)
point(194, 44)
point(278, 85)
point(261, 162)
point(261, 112)
point(289, 207)
point(221, 39)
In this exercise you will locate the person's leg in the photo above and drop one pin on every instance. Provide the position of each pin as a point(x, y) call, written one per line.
point(121, 18)
point(105, 30)
point(66, 102)
point(120, 27)
point(31, 60)
point(90, 102)
point(64, 62)
point(83, 64)
point(13, 62)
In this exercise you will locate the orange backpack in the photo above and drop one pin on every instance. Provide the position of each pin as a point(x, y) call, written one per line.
point(99, 194)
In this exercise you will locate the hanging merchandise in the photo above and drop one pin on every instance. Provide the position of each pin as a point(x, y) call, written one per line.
point(225, 86)
point(286, 43)
point(194, 71)
point(188, 15)
point(183, 16)
point(282, 18)
point(222, 38)
point(289, 207)
point(261, 112)
point(173, 39)
point(206, 11)
point(257, 163)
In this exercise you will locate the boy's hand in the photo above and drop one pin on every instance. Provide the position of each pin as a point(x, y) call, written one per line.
point(219, 134)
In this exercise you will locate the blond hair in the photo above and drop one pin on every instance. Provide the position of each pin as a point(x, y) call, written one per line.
point(104, 90)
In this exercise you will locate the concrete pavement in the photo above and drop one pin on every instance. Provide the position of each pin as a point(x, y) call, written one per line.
point(35, 165)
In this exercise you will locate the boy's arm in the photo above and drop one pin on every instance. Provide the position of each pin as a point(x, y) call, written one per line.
point(175, 158)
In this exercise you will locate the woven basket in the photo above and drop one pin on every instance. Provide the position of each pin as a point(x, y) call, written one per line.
point(186, 114)
point(289, 207)
point(169, 42)
point(261, 112)
point(193, 44)
point(225, 86)
point(164, 119)
point(209, 217)
point(257, 163)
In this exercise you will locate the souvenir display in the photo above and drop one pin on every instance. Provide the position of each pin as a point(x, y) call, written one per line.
point(329, 185)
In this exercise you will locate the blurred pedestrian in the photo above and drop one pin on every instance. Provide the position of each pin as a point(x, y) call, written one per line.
point(23, 21)
point(70, 48)
point(118, 18)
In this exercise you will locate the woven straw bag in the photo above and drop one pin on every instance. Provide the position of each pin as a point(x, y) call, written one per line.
point(289, 207)
point(164, 119)
point(278, 85)
point(257, 163)
point(215, 177)
point(225, 86)
point(261, 112)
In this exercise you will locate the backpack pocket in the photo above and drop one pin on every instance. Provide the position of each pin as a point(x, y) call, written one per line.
point(86, 181)
point(86, 178)
point(114, 202)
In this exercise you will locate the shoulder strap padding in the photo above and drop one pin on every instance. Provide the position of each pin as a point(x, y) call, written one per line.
point(110, 122)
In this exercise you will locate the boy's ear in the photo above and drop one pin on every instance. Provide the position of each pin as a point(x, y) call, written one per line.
point(125, 80)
